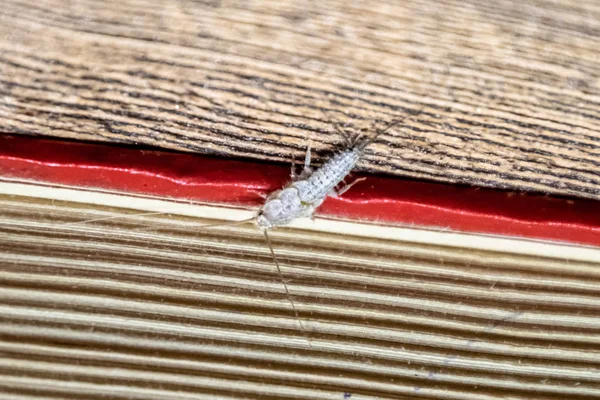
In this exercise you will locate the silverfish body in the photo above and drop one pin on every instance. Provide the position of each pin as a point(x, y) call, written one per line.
point(301, 197)
point(307, 191)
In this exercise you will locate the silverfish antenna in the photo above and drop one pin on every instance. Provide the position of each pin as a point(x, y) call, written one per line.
point(287, 292)
point(232, 223)
point(120, 216)
point(130, 216)
point(362, 143)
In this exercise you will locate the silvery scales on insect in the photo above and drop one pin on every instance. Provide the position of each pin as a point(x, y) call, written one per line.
point(307, 191)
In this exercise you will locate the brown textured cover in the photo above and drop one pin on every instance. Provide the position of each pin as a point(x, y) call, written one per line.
point(501, 93)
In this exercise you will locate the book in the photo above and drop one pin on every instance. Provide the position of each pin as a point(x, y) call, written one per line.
point(116, 282)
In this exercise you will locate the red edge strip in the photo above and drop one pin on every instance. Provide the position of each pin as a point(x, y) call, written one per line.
point(384, 199)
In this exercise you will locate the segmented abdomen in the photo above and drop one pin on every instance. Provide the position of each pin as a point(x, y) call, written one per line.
point(315, 188)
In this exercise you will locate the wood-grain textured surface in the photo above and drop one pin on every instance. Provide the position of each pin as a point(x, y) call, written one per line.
point(499, 93)
point(153, 308)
